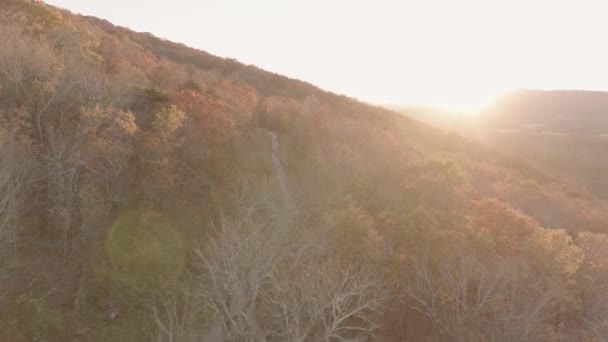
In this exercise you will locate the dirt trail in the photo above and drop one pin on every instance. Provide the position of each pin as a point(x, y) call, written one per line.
point(216, 331)
point(279, 169)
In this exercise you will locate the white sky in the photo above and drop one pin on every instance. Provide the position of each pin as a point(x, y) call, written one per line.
point(451, 52)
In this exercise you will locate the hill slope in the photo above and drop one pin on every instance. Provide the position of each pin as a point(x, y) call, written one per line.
point(138, 201)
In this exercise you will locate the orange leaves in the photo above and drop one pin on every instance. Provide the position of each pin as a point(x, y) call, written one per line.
point(241, 97)
point(143, 59)
point(279, 104)
point(550, 251)
point(279, 112)
point(194, 103)
point(127, 61)
point(205, 117)
point(509, 227)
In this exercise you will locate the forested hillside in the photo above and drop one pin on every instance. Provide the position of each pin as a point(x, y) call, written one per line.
point(140, 200)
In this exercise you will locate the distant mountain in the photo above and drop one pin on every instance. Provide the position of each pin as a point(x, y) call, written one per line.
point(565, 131)
point(568, 111)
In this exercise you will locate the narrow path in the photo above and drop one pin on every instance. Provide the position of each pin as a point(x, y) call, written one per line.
point(279, 169)
point(216, 330)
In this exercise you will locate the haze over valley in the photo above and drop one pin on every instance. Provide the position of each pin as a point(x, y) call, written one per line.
point(562, 131)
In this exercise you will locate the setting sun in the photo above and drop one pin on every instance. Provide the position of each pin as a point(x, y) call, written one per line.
point(467, 102)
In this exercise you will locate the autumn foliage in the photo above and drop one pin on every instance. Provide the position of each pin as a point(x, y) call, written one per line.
point(139, 201)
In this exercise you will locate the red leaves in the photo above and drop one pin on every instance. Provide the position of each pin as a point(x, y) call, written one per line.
point(205, 117)
point(241, 97)
point(279, 104)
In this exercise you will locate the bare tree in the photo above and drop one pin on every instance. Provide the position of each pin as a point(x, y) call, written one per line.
point(238, 268)
point(261, 278)
point(328, 301)
point(467, 300)
point(80, 165)
point(16, 180)
point(177, 317)
point(24, 62)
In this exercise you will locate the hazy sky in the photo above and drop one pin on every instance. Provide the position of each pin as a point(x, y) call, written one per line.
point(387, 51)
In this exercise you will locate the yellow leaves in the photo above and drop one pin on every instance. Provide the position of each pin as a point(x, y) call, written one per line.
point(107, 134)
point(557, 252)
point(157, 152)
point(110, 119)
point(126, 122)
point(39, 15)
point(166, 121)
